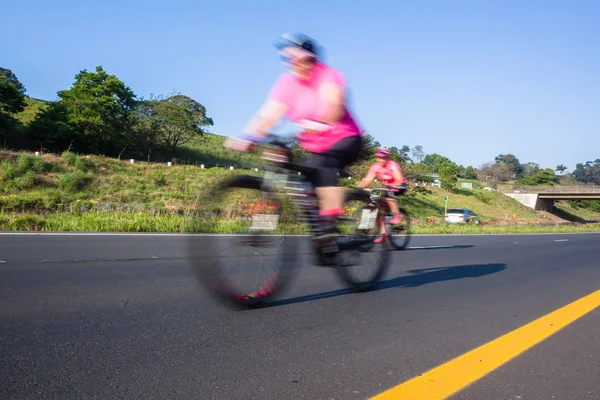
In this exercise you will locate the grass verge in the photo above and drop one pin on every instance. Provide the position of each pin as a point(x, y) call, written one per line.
point(139, 221)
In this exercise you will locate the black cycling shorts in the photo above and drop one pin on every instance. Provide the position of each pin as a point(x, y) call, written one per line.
point(324, 166)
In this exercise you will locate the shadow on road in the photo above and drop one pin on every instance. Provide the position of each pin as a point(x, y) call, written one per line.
point(419, 277)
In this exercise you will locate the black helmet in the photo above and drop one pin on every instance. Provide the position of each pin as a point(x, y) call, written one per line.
point(298, 40)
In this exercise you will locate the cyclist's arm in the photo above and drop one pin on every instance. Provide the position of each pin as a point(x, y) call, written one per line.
point(398, 177)
point(270, 113)
point(367, 179)
point(334, 96)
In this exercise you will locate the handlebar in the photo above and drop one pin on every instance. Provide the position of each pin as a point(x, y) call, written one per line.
point(386, 189)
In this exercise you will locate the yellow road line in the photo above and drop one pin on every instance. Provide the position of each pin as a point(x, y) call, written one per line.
point(453, 376)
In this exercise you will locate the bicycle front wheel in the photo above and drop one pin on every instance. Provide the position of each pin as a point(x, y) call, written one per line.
point(253, 261)
point(361, 262)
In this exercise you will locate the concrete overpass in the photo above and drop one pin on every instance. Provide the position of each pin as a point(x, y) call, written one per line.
point(542, 197)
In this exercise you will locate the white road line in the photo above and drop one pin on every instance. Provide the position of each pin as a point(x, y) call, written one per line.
point(448, 246)
point(141, 234)
point(561, 240)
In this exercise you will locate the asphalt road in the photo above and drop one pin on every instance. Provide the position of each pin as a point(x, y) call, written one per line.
point(121, 317)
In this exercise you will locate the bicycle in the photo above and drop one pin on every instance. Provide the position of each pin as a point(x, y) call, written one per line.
point(261, 209)
point(398, 235)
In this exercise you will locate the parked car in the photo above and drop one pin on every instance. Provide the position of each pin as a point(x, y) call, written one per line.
point(489, 189)
point(461, 216)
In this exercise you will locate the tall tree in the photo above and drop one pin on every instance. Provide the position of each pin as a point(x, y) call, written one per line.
point(448, 172)
point(7, 74)
point(99, 107)
point(418, 153)
point(435, 162)
point(588, 172)
point(12, 100)
point(51, 128)
point(511, 162)
point(370, 146)
point(540, 177)
point(560, 168)
point(494, 173)
point(173, 121)
point(470, 173)
point(401, 155)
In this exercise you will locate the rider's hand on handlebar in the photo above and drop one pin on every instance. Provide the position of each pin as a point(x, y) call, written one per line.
point(245, 143)
point(237, 144)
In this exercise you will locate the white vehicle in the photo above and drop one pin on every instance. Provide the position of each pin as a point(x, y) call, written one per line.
point(461, 216)
point(489, 189)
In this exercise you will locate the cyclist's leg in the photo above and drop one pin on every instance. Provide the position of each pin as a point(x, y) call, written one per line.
point(393, 204)
point(325, 180)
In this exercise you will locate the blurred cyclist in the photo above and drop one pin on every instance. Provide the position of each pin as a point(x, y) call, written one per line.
point(312, 95)
point(390, 174)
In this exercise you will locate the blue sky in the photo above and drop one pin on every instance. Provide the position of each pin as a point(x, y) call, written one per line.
point(466, 79)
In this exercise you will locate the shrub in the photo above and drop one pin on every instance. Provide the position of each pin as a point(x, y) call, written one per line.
point(483, 196)
point(26, 180)
point(74, 181)
point(70, 158)
point(9, 171)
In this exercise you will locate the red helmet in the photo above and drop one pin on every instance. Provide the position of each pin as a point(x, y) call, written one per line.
point(383, 152)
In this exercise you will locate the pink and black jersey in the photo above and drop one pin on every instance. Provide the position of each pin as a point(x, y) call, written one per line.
point(304, 103)
point(385, 172)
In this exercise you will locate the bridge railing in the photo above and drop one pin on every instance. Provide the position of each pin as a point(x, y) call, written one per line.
point(574, 189)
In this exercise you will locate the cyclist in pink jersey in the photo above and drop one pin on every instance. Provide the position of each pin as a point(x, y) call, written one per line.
point(389, 172)
point(312, 95)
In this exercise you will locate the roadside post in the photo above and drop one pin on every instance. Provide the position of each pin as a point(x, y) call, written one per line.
point(445, 206)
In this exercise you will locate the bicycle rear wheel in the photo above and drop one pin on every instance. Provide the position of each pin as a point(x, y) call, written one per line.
point(252, 263)
point(361, 263)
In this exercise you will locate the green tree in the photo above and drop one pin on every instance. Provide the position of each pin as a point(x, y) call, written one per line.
point(588, 172)
point(12, 101)
point(99, 107)
point(50, 128)
point(173, 121)
point(369, 148)
point(418, 153)
point(470, 173)
point(512, 162)
point(541, 177)
point(560, 168)
point(529, 169)
point(494, 173)
point(448, 172)
point(7, 74)
point(435, 162)
point(400, 155)
point(416, 171)
point(404, 154)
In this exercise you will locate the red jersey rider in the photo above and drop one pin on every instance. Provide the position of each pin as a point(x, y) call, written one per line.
point(390, 174)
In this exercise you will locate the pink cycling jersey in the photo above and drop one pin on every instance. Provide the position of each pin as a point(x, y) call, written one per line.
point(303, 102)
point(385, 172)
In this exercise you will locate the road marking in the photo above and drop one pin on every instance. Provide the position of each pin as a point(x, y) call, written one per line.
point(448, 246)
point(561, 240)
point(453, 376)
point(162, 234)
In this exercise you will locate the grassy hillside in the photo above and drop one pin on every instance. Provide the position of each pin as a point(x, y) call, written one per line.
point(92, 193)
point(209, 150)
point(570, 212)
